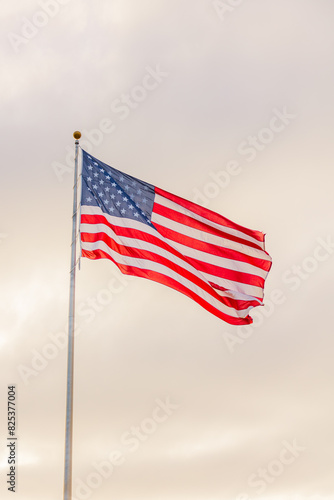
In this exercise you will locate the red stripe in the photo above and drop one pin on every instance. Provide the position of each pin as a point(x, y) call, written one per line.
point(152, 256)
point(229, 274)
point(254, 303)
point(170, 282)
point(209, 214)
point(210, 248)
point(212, 269)
point(132, 233)
point(188, 221)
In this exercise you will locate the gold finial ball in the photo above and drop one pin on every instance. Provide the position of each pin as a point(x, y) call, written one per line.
point(77, 135)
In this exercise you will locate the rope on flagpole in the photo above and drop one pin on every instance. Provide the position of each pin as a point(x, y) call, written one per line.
point(70, 355)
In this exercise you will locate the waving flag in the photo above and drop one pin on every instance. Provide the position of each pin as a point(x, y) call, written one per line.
point(151, 233)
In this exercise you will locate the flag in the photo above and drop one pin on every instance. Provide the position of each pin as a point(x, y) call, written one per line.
point(153, 234)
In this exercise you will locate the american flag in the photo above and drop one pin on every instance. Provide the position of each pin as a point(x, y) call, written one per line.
point(151, 233)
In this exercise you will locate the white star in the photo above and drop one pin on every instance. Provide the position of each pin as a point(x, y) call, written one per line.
point(89, 166)
point(111, 209)
point(108, 177)
point(131, 207)
point(106, 202)
point(101, 182)
point(118, 203)
point(125, 198)
point(144, 200)
point(101, 170)
point(112, 196)
point(96, 163)
point(123, 211)
point(95, 186)
point(136, 214)
point(89, 157)
point(121, 178)
point(89, 179)
point(89, 199)
point(133, 183)
point(96, 174)
point(119, 191)
point(127, 187)
point(139, 191)
point(113, 184)
point(107, 189)
point(101, 194)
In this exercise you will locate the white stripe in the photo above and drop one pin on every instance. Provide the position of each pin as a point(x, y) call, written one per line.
point(160, 268)
point(125, 222)
point(185, 211)
point(243, 288)
point(119, 221)
point(142, 245)
point(233, 265)
point(208, 237)
point(236, 292)
point(151, 247)
point(240, 296)
point(238, 289)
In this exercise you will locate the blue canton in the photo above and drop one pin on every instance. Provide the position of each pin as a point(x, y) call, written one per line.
point(116, 193)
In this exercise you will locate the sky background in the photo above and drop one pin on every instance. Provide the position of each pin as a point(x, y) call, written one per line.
point(249, 410)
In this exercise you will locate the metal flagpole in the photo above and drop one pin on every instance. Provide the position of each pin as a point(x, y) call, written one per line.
point(70, 355)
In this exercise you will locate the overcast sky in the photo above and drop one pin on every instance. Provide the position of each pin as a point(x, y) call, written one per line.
point(226, 103)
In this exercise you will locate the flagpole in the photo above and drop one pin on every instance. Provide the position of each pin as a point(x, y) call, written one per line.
point(70, 354)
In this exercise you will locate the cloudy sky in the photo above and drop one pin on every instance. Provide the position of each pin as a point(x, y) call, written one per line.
point(226, 103)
